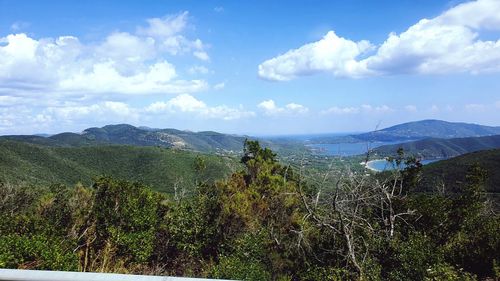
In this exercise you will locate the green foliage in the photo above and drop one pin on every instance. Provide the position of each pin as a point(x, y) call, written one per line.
point(409, 259)
point(235, 268)
point(264, 222)
point(126, 214)
point(36, 252)
point(157, 167)
point(453, 171)
point(446, 272)
point(326, 273)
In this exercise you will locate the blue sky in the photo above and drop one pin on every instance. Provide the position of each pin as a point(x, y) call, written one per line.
point(261, 68)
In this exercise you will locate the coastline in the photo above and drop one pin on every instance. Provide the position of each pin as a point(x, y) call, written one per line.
point(367, 165)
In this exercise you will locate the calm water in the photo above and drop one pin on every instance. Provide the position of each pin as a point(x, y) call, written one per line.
point(384, 165)
point(345, 149)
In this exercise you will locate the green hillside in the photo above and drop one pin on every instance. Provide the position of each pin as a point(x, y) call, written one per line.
point(158, 167)
point(129, 135)
point(453, 171)
point(441, 148)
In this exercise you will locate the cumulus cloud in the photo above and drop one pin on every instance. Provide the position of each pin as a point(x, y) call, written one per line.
point(103, 111)
point(330, 54)
point(364, 108)
point(19, 118)
point(270, 108)
point(121, 63)
point(188, 104)
point(448, 43)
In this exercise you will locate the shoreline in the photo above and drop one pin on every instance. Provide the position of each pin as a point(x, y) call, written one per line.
point(367, 165)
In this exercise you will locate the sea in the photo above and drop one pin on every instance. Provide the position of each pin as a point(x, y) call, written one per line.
point(350, 149)
point(384, 165)
point(345, 149)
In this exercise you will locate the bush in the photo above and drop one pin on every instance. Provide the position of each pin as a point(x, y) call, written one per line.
point(446, 272)
point(233, 267)
point(37, 252)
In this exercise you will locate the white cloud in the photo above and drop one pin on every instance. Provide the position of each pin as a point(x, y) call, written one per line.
point(434, 109)
point(377, 109)
point(270, 108)
point(202, 55)
point(448, 43)
point(188, 104)
point(219, 9)
point(19, 25)
point(341, 110)
point(107, 110)
point(364, 108)
point(165, 27)
point(10, 101)
point(475, 107)
point(331, 54)
point(15, 117)
point(219, 86)
point(198, 69)
point(121, 63)
point(296, 108)
point(497, 104)
point(167, 33)
point(411, 108)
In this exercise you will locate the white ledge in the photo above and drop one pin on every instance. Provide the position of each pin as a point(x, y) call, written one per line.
point(46, 275)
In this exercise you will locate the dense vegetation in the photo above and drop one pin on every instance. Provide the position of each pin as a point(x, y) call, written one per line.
point(441, 148)
point(264, 222)
point(453, 171)
point(160, 168)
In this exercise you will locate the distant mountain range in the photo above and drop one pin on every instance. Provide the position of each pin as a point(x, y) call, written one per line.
point(417, 130)
point(431, 139)
point(433, 148)
point(125, 134)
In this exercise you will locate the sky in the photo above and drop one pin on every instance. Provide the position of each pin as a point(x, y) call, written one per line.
point(247, 67)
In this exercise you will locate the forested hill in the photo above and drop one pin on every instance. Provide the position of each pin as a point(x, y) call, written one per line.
point(127, 134)
point(157, 167)
point(453, 171)
point(441, 148)
point(419, 130)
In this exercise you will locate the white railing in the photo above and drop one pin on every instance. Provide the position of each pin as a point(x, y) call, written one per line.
point(45, 275)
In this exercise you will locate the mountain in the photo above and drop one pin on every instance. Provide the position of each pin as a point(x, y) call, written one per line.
point(433, 148)
point(125, 134)
point(157, 167)
point(454, 170)
point(419, 130)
